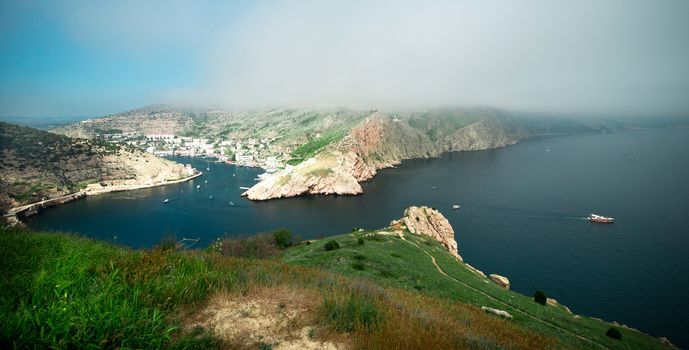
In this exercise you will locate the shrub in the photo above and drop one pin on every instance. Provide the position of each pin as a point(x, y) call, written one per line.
point(331, 245)
point(540, 297)
point(283, 238)
point(359, 266)
point(360, 241)
point(614, 333)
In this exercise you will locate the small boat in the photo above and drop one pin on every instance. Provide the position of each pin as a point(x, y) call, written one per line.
point(234, 175)
point(434, 188)
point(257, 179)
point(208, 169)
point(600, 219)
point(198, 186)
point(205, 182)
point(166, 201)
point(211, 197)
point(232, 204)
point(455, 206)
point(244, 188)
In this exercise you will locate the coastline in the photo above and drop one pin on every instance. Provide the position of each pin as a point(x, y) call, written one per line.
point(13, 214)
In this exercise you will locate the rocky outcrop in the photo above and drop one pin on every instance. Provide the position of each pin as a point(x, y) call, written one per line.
point(425, 221)
point(502, 281)
point(553, 302)
point(501, 313)
point(331, 173)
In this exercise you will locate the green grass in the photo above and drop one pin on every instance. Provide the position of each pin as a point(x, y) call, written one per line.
point(64, 291)
point(393, 262)
point(310, 148)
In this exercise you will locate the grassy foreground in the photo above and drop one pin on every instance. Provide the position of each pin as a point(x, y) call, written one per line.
point(63, 291)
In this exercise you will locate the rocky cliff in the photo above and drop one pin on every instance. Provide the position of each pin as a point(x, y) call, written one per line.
point(378, 142)
point(425, 221)
point(37, 165)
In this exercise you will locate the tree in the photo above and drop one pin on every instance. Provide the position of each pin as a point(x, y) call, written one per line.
point(540, 297)
point(283, 238)
point(614, 333)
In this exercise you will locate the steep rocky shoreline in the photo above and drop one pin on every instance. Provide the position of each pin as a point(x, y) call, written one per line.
point(378, 142)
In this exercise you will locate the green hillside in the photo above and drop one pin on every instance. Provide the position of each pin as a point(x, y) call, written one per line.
point(376, 291)
point(421, 264)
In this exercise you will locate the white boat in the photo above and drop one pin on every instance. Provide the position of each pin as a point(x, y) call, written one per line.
point(600, 219)
point(244, 188)
point(234, 175)
point(455, 206)
point(232, 204)
point(198, 186)
point(166, 201)
point(211, 197)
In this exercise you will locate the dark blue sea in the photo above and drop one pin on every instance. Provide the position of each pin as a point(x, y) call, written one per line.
point(522, 217)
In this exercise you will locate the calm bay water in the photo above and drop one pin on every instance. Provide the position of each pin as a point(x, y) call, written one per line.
point(522, 217)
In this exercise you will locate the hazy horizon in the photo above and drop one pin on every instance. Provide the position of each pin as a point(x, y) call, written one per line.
point(580, 58)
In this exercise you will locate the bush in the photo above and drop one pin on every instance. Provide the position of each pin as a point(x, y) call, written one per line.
point(331, 245)
point(358, 266)
point(283, 238)
point(540, 297)
point(360, 241)
point(614, 333)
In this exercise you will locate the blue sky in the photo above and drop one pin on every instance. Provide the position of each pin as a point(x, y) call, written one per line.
point(92, 58)
point(55, 62)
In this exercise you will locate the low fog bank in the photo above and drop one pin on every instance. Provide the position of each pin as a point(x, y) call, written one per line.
point(599, 57)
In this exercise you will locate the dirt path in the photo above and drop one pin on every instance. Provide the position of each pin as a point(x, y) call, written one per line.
point(525, 313)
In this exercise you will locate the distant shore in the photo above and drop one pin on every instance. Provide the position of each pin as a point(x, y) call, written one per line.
point(13, 214)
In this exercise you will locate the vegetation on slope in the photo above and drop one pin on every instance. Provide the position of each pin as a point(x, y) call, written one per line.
point(310, 148)
point(419, 264)
point(33, 163)
point(37, 165)
point(63, 291)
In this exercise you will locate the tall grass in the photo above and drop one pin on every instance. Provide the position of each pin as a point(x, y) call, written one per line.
point(61, 291)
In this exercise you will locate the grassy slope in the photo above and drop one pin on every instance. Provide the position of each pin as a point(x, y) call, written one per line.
point(391, 261)
point(62, 291)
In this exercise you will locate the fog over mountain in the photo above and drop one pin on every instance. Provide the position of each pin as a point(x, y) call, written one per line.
point(605, 57)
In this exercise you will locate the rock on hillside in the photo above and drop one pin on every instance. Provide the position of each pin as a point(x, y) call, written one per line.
point(425, 221)
point(37, 165)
